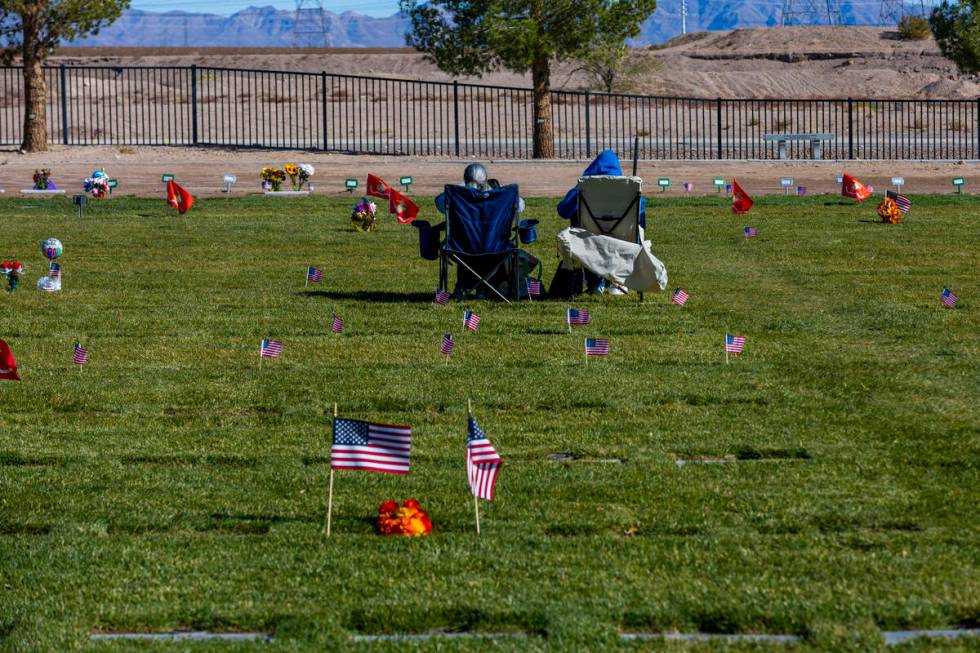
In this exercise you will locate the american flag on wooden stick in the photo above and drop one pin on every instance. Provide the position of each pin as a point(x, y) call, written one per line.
point(482, 462)
point(734, 344)
point(54, 271)
point(81, 355)
point(337, 324)
point(751, 232)
point(447, 344)
point(578, 317)
point(949, 298)
point(534, 288)
point(679, 297)
point(442, 297)
point(596, 347)
point(471, 320)
point(270, 348)
point(903, 203)
point(357, 444)
point(313, 274)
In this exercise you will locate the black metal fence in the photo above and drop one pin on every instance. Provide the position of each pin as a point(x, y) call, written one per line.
point(168, 105)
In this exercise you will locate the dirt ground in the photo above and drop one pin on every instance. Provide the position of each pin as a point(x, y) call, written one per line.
point(787, 62)
point(200, 170)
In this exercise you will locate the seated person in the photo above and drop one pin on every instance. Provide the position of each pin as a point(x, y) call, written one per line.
point(475, 176)
point(606, 163)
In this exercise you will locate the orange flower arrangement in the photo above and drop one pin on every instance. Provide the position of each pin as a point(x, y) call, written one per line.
point(889, 211)
point(408, 519)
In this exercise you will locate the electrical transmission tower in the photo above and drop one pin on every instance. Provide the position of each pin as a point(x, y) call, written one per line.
point(810, 12)
point(310, 25)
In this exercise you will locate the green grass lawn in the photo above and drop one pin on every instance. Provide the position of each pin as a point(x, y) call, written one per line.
point(174, 483)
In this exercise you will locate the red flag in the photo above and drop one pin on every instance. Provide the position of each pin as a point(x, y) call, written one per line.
point(741, 202)
point(851, 187)
point(403, 208)
point(376, 187)
point(179, 198)
point(8, 366)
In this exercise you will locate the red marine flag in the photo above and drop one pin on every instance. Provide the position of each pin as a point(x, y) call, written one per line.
point(8, 366)
point(741, 202)
point(403, 208)
point(376, 187)
point(851, 187)
point(179, 198)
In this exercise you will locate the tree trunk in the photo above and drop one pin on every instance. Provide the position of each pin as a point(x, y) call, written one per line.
point(541, 81)
point(35, 88)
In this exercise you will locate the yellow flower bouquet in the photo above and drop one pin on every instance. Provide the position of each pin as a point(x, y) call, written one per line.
point(272, 178)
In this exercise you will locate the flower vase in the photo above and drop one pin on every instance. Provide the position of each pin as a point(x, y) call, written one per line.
point(276, 186)
point(12, 281)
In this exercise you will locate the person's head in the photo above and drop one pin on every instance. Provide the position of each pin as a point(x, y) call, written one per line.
point(475, 176)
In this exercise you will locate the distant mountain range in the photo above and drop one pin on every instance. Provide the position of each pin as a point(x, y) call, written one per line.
point(274, 28)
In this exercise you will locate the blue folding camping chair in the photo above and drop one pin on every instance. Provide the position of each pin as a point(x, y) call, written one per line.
point(481, 240)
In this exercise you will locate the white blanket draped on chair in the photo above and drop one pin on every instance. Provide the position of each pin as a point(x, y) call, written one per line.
point(625, 264)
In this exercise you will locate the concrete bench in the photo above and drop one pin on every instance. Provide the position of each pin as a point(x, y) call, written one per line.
point(815, 139)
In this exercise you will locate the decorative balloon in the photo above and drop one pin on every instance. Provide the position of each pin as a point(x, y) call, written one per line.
point(52, 248)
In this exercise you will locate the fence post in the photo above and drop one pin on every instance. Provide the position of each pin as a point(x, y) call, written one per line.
point(194, 104)
point(456, 113)
point(718, 116)
point(64, 105)
point(323, 98)
point(588, 126)
point(850, 128)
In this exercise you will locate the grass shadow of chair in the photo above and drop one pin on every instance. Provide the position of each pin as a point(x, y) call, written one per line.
point(374, 296)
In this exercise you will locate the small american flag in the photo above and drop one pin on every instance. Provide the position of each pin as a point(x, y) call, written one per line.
point(447, 344)
point(442, 297)
point(81, 355)
point(734, 344)
point(597, 346)
point(54, 271)
point(688, 187)
point(750, 232)
point(578, 317)
point(903, 203)
point(357, 444)
point(801, 190)
point(679, 297)
point(270, 349)
point(471, 320)
point(534, 288)
point(313, 274)
point(337, 324)
point(949, 298)
point(482, 462)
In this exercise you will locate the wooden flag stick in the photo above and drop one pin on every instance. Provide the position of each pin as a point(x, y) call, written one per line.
point(476, 501)
point(260, 354)
point(307, 283)
point(330, 492)
point(476, 508)
point(726, 347)
point(586, 351)
point(568, 319)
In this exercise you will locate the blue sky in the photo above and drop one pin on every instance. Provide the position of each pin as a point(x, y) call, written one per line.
point(227, 7)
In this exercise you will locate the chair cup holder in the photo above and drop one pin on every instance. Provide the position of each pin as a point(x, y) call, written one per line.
point(527, 230)
point(428, 239)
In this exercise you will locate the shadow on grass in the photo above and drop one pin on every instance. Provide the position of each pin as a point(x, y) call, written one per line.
point(376, 296)
point(264, 518)
point(457, 619)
